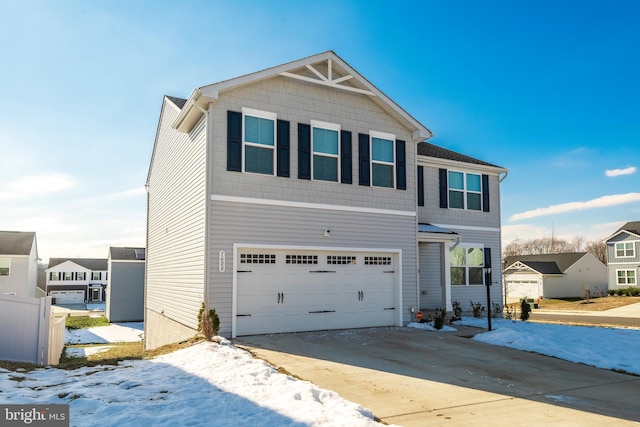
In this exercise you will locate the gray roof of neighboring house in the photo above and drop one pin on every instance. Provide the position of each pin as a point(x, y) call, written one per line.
point(93, 264)
point(631, 227)
point(16, 242)
point(178, 101)
point(547, 263)
point(127, 254)
point(430, 150)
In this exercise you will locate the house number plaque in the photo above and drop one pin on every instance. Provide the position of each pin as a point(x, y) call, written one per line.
point(221, 261)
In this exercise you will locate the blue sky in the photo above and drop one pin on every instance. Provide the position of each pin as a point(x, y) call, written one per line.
point(548, 89)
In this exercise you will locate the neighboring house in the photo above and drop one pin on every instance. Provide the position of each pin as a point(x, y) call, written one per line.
point(301, 198)
point(623, 256)
point(567, 275)
point(125, 288)
point(76, 280)
point(18, 263)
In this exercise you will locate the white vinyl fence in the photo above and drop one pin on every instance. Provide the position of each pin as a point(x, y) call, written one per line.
point(28, 330)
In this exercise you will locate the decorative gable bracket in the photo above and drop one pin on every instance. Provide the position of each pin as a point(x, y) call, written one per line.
point(328, 79)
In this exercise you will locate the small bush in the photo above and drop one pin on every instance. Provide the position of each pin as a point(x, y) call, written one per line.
point(477, 309)
point(457, 311)
point(440, 319)
point(509, 312)
point(525, 310)
point(620, 292)
point(611, 292)
point(208, 322)
point(495, 310)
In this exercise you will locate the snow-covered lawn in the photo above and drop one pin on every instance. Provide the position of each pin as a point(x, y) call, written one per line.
point(607, 348)
point(221, 385)
point(116, 332)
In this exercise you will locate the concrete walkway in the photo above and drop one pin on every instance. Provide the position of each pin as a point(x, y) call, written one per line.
point(415, 378)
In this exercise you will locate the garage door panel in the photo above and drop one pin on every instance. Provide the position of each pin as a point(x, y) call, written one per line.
point(294, 290)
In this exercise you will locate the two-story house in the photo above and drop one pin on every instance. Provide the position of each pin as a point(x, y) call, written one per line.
point(623, 256)
point(125, 290)
point(76, 280)
point(18, 263)
point(302, 198)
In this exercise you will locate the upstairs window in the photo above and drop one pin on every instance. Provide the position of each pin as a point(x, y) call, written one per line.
point(259, 135)
point(625, 250)
point(54, 276)
point(67, 275)
point(467, 266)
point(95, 275)
point(382, 160)
point(465, 191)
point(5, 266)
point(325, 140)
point(81, 276)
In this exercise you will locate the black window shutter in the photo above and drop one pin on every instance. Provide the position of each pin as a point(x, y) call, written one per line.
point(283, 148)
point(420, 185)
point(401, 165)
point(444, 189)
point(363, 159)
point(234, 141)
point(485, 193)
point(345, 157)
point(304, 151)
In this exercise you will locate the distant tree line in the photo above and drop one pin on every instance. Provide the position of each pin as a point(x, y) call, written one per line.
point(554, 245)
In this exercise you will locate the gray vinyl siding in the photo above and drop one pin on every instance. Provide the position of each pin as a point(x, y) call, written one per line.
point(431, 277)
point(464, 294)
point(432, 213)
point(175, 267)
point(125, 292)
point(244, 223)
point(298, 102)
point(627, 263)
point(22, 276)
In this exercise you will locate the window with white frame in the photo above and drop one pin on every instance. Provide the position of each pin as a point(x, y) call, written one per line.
point(325, 142)
point(383, 159)
point(626, 277)
point(95, 275)
point(5, 266)
point(467, 265)
point(465, 191)
point(81, 276)
point(67, 275)
point(625, 250)
point(54, 276)
point(259, 136)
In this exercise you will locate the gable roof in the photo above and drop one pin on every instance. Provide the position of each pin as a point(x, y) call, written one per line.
point(127, 254)
point(326, 69)
point(16, 242)
point(430, 150)
point(632, 227)
point(179, 102)
point(93, 264)
point(546, 263)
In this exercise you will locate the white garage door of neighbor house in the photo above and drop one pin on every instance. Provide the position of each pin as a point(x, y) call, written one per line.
point(68, 297)
point(523, 289)
point(294, 290)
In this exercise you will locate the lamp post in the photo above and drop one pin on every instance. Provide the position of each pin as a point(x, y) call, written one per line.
point(487, 283)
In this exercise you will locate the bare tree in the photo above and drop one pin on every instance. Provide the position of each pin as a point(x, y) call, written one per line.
point(598, 248)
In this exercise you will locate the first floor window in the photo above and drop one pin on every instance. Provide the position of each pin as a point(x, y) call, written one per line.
point(5, 266)
point(325, 140)
point(626, 277)
point(259, 135)
point(382, 160)
point(465, 191)
point(467, 266)
point(625, 250)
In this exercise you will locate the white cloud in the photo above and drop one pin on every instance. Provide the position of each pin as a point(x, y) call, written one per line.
point(619, 172)
point(600, 202)
point(37, 184)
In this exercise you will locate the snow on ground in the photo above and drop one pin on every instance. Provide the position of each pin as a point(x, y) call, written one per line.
point(206, 384)
point(607, 348)
point(116, 332)
point(221, 385)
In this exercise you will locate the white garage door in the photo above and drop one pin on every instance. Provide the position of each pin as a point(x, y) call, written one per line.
point(68, 297)
point(522, 289)
point(291, 291)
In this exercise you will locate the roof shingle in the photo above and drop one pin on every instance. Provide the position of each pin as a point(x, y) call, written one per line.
point(16, 242)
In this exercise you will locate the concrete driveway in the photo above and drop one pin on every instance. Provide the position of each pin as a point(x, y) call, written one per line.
point(411, 377)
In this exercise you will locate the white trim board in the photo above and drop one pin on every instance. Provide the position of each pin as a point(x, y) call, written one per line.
point(306, 205)
point(468, 227)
